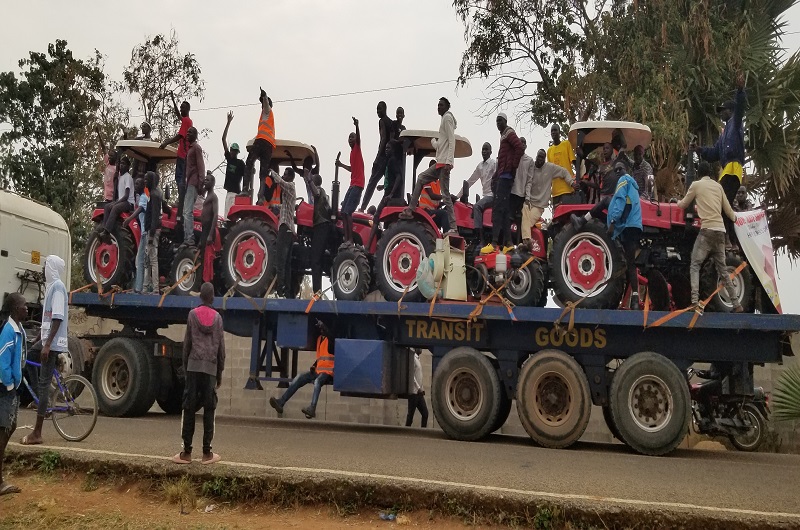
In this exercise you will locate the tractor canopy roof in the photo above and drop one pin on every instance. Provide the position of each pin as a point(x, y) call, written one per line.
point(421, 143)
point(298, 150)
point(592, 134)
point(146, 150)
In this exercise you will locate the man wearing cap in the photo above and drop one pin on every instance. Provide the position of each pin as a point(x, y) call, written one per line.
point(234, 173)
point(508, 157)
point(445, 146)
point(729, 149)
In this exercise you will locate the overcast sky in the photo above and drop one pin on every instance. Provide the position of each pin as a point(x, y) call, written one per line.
point(297, 49)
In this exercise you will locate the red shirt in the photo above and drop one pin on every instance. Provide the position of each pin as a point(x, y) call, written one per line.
point(183, 148)
point(356, 167)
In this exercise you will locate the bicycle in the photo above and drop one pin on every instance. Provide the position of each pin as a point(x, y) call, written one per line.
point(72, 405)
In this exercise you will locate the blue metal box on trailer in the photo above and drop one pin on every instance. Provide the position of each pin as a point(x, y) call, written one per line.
point(372, 368)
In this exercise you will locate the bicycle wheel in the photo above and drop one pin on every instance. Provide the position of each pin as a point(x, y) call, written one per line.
point(74, 408)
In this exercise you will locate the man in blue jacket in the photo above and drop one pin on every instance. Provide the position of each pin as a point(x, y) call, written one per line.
point(625, 224)
point(729, 149)
point(12, 357)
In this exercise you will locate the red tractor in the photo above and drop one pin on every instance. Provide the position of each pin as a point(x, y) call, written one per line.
point(247, 260)
point(112, 262)
point(587, 265)
point(405, 243)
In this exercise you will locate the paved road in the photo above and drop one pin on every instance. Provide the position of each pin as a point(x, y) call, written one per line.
point(715, 482)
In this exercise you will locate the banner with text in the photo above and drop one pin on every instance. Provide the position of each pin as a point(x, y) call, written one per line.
point(754, 238)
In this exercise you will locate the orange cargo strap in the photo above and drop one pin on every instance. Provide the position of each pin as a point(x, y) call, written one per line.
point(400, 305)
point(80, 290)
point(646, 306)
point(569, 307)
point(186, 275)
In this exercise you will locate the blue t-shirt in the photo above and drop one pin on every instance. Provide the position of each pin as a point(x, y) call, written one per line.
point(143, 200)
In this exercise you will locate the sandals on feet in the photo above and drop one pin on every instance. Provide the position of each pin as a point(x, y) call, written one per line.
point(213, 460)
point(178, 460)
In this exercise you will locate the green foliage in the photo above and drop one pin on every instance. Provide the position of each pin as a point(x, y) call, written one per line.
point(666, 63)
point(49, 461)
point(223, 488)
point(786, 397)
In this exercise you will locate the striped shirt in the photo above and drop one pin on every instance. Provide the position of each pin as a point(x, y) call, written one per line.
point(287, 201)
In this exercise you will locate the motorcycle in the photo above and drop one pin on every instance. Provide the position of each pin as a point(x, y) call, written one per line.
point(742, 419)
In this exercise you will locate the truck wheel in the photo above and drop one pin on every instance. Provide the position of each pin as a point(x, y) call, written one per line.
point(75, 358)
point(649, 401)
point(185, 261)
point(352, 274)
point(526, 286)
point(610, 423)
point(125, 379)
point(505, 411)
point(172, 403)
point(588, 264)
point(742, 286)
point(753, 439)
point(111, 263)
point(553, 399)
point(466, 394)
point(248, 257)
point(401, 249)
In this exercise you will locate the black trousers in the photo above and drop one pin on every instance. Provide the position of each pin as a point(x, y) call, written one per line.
point(730, 185)
point(378, 171)
point(283, 260)
point(602, 204)
point(261, 151)
point(517, 203)
point(501, 212)
point(631, 239)
point(320, 238)
point(41, 377)
point(394, 170)
point(200, 391)
point(417, 402)
point(112, 211)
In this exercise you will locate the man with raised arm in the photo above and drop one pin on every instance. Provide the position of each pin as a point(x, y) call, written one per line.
point(183, 149)
point(356, 169)
point(263, 145)
point(381, 159)
point(234, 171)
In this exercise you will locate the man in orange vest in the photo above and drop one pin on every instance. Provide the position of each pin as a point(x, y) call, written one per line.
point(430, 200)
point(263, 145)
point(320, 373)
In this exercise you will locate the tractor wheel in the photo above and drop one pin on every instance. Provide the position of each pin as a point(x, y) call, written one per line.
point(248, 257)
point(588, 264)
point(352, 274)
point(111, 263)
point(527, 285)
point(742, 286)
point(181, 275)
point(401, 249)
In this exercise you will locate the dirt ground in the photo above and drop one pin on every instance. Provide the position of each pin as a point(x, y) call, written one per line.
point(73, 501)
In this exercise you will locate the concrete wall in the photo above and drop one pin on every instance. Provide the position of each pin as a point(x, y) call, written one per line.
point(234, 400)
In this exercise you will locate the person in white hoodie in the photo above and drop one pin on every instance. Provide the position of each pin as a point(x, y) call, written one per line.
point(52, 339)
point(445, 146)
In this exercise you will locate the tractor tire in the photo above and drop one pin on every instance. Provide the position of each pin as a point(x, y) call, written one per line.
point(125, 378)
point(352, 274)
point(553, 399)
point(401, 249)
point(110, 263)
point(467, 394)
point(650, 404)
point(588, 264)
point(526, 286)
point(185, 260)
point(742, 285)
point(248, 257)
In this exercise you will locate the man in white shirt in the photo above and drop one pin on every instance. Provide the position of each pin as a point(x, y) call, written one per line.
point(522, 177)
point(416, 400)
point(484, 171)
point(126, 199)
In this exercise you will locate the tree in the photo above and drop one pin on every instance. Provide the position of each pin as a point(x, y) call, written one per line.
point(158, 69)
point(50, 153)
point(666, 63)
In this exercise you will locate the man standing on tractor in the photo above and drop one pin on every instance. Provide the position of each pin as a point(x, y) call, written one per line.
point(208, 219)
point(356, 169)
point(561, 154)
point(521, 179)
point(139, 214)
point(234, 172)
point(323, 227)
point(263, 145)
point(283, 258)
point(183, 150)
point(642, 172)
point(124, 203)
point(396, 155)
point(320, 373)
point(625, 224)
point(381, 159)
point(711, 202)
point(152, 231)
point(484, 171)
point(538, 190)
point(508, 157)
point(445, 146)
point(195, 170)
point(729, 149)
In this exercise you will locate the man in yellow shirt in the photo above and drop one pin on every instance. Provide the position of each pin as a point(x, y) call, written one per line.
point(561, 154)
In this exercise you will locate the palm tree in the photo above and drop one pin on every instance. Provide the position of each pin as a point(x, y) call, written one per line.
point(786, 397)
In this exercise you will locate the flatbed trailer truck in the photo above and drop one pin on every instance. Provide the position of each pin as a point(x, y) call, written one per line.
point(555, 363)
